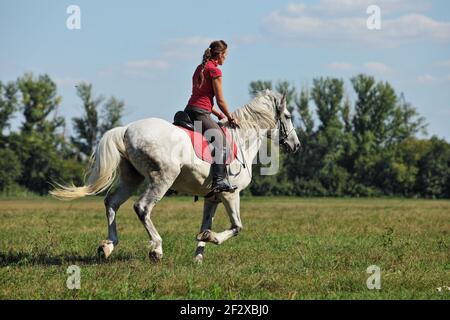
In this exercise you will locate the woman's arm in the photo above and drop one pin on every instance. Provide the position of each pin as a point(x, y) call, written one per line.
point(217, 86)
point(218, 114)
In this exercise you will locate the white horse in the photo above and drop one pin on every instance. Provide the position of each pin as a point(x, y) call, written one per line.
point(156, 150)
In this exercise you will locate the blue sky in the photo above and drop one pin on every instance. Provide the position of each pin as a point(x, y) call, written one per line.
point(144, 52)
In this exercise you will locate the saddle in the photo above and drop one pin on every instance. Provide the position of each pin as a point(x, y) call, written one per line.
point(203, 150)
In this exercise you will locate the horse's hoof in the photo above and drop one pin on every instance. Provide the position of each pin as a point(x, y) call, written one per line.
point(155, 257)
point(105, 249)
point(198, 259)
point(207, 236)
point(203, 236)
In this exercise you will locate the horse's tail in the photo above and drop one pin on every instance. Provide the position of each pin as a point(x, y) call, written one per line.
point(102, 167)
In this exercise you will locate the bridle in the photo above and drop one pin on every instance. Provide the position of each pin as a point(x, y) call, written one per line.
point(284, 134)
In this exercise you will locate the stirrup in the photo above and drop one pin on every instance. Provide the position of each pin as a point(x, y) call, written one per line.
point(229, 188)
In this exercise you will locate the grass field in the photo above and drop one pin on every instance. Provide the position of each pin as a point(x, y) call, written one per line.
point(289, 249)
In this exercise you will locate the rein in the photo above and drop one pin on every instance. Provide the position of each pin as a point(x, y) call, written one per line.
point(284, 135)
point(243, 162)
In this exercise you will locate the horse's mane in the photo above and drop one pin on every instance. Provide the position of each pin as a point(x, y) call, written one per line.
point(258, 113)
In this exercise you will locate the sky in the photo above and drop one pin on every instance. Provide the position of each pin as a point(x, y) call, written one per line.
point(144, 52)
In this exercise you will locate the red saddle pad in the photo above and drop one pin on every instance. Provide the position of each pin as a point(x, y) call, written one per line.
point(203, 149)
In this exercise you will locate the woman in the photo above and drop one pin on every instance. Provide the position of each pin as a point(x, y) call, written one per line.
point(207, 84)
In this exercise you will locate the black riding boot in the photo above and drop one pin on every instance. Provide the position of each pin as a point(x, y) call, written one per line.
point(218, 171)
point(220, 184)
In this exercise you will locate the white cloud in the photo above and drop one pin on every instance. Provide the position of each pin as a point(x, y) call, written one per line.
point(433, 79)
point(172, 49)
point(333, 7)
point(341, 66)
point(307, 29)
point(296, 8)
point(347, 24)
point(378, 68)
point(426, 78)
point(416, 27)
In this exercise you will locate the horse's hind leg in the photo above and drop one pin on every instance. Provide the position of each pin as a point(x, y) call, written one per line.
point(159, 183)
point(129, 181)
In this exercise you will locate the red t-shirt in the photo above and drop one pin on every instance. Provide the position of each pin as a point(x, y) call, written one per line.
point(202, 97)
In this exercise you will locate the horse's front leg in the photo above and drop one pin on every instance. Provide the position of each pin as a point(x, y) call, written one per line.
point(231, 202)
point(209, 210)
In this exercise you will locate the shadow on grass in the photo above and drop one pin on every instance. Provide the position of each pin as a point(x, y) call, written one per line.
point(27, 258)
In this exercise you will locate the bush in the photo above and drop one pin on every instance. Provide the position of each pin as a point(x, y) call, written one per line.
point(434, 170)
point(10, 168)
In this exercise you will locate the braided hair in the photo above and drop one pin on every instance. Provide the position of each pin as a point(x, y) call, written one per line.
point(212, 52)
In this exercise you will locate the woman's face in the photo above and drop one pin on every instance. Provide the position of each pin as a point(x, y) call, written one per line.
point(222, 57)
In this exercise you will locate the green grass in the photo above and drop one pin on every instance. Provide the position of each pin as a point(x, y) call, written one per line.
point(290, 249)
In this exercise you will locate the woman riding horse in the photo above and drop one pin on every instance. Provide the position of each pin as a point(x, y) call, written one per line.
point(207, 84)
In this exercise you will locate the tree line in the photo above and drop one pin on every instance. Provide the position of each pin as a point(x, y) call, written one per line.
point(365, 147)
point(39, 151)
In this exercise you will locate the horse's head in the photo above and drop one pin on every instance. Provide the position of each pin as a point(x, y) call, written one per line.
point(287, 134)
point(268, 111)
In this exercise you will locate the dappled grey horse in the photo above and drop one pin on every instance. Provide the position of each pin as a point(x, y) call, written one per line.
point(162, 154)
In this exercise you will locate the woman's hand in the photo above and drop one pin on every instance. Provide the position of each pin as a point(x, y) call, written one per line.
point(233, 123)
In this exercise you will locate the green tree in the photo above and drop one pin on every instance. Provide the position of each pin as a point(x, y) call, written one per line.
point(302, 167)
point(90, 127)
point(367, 148)
point(87, 129)
point(11, 168)
point(38, 100)
point(8, 105)
point(374, 108)
point(40, 147)
point(112, 114)
point(327, 94)
point(302, 105)
point(286, 88)
point(282, 87)
point(382, 121)
point(258, 86)
point(405, 122)
point(399, 166)
point(434, 170)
